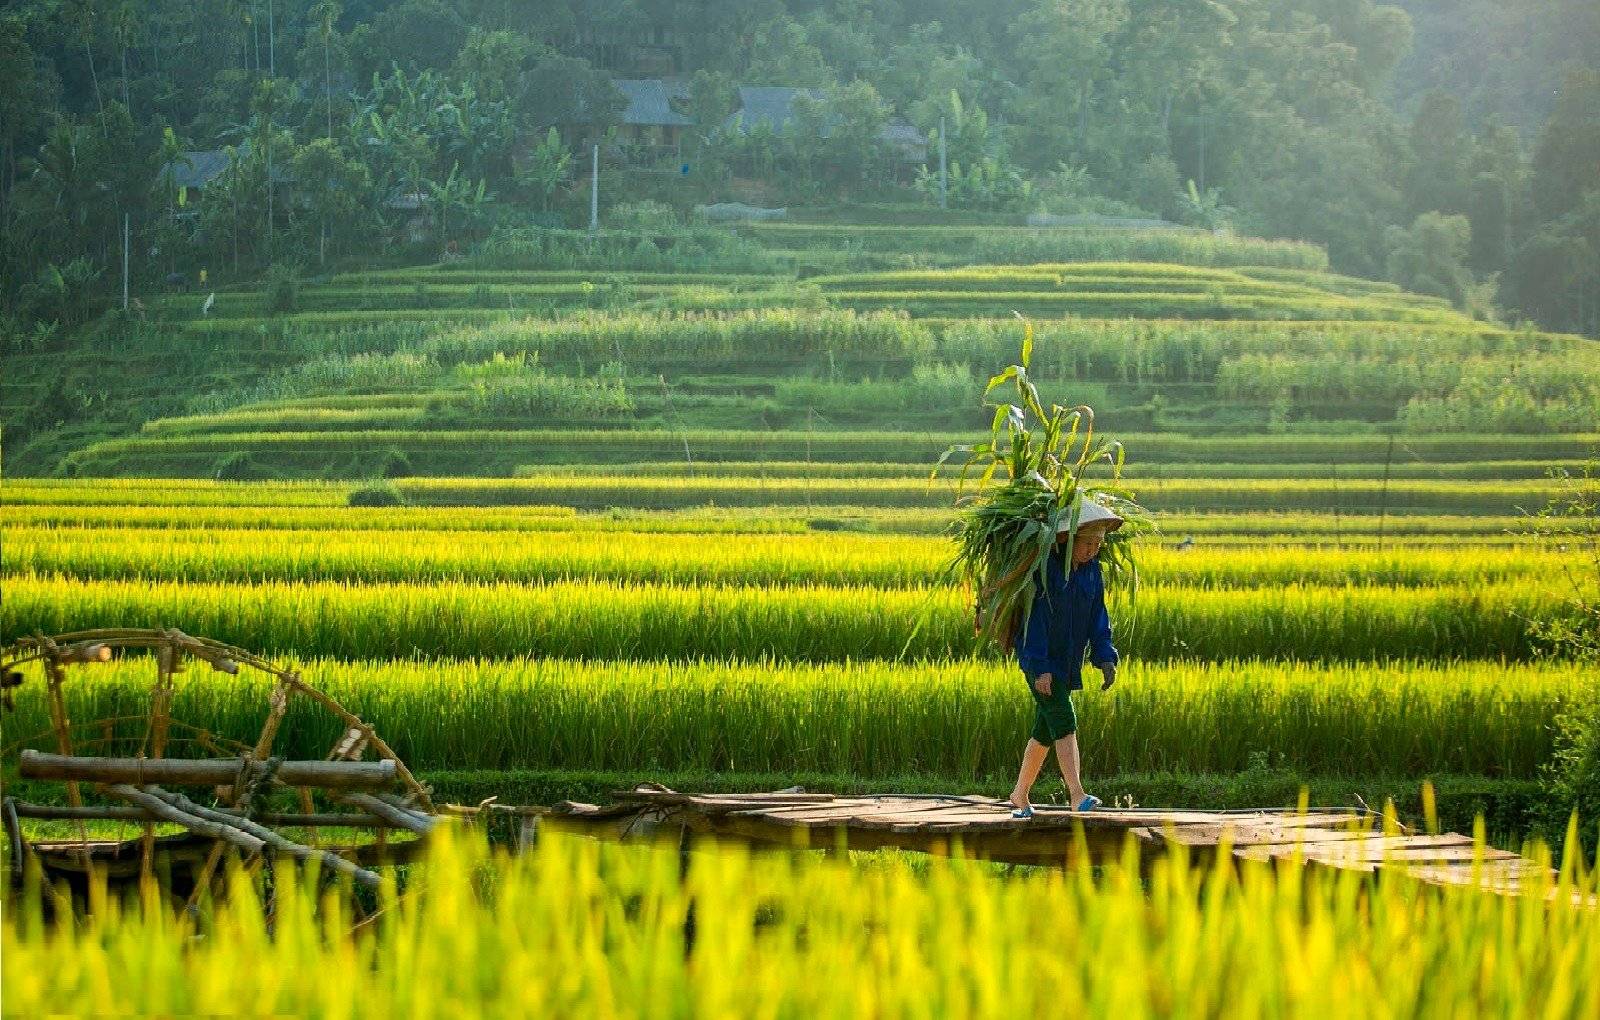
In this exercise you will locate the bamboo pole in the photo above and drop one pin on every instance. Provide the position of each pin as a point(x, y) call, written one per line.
point(113, 813)
point(202, 772)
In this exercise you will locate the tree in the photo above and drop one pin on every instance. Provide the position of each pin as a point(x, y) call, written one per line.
point(85, 18)
point(545, 169)
point(327, 18)
point(455, 192)
point(782, 54)
point(1566, 162)
point(336, 189)
point(712, 100)
point(24, 109)
point(1065, 50)
point(1430, 257)
point(837, 136)
point(1436, 177)
point(1554, 277)
point(414, 35)
point(564, 90)
point(495, 64)
point(1497, 200)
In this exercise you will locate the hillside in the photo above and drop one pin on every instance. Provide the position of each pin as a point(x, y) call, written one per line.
point(476, 367)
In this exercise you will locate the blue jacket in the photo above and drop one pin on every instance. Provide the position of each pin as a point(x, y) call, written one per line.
point(1068, 616)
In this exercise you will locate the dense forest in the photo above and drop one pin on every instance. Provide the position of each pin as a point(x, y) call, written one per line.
point(1452, 147)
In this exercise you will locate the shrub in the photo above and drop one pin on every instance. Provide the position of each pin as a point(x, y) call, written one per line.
point(376, 494)
point(235, 467)
point(1572, 779)
point(395, 464)
point(282, 290)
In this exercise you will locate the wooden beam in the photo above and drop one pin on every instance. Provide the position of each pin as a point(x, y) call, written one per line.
point(248, 842)
point(201, 771)
point(397, 817)
point(298, 851)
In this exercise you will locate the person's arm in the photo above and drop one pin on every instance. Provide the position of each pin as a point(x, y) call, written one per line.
point(1102, 653)
point(1033, 653)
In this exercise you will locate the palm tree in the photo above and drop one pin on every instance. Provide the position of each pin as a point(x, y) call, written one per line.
point(327, 14)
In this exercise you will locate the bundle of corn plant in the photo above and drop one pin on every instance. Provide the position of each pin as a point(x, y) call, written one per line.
point(1032, 478)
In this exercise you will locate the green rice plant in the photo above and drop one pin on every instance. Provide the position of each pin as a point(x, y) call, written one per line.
point(966, 245)
point(962, 721)
point(1155, 305)
point(288, 420)
point(183, 511)
point(802, 622)
point(578, 927)
point(360, 548)
point(121, 492)
point(491, 451)
point(1489, 470)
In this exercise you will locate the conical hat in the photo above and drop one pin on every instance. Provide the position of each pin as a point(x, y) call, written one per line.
point(1090, 512)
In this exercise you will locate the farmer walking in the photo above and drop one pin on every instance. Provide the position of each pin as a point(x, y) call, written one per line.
point(1068, 616)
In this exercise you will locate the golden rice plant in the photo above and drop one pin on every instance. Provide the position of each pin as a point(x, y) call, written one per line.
point(578, 928)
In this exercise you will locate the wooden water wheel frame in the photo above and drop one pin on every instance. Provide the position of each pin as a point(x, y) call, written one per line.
point(240, 774)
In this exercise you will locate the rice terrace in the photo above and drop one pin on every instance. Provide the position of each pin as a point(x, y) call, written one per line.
point(800, 509)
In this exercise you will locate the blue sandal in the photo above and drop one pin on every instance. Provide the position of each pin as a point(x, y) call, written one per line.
point(1025, 812)
point(1089, 803)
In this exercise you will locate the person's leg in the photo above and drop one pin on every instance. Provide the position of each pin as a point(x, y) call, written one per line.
point(1033, 757)
point(1067, 758)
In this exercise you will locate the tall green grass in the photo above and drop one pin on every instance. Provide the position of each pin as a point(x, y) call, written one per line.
point(538, 556)
point(958, 245)
point(961, 721)
point(802, 623)
point(581, 928)
point(480, 451)
point(199, 510)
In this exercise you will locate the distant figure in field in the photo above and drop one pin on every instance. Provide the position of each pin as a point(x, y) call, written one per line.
point(1186, 544)
point(1068, 617)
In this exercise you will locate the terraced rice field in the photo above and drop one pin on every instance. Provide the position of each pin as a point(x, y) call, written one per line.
point(557, 530)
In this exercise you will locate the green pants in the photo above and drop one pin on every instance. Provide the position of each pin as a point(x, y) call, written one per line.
point(1053, 714)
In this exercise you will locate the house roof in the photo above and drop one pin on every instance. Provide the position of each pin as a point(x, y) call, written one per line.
point(898, 132)
point(647, 103)
point(772, 105)
point(197, 168)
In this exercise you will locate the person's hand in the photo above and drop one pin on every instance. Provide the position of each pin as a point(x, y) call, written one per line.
point(1041, 683)
point(1109, 671)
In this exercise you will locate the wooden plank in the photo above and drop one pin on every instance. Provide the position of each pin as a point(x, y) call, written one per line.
point(1199, 836)
point(842, 805)
point(858, 818)
point(1368, 849)
point(807, 816)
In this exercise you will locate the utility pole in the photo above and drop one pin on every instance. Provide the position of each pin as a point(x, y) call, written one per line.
point(944, 201)
point(125, 262)
point(594, 191)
